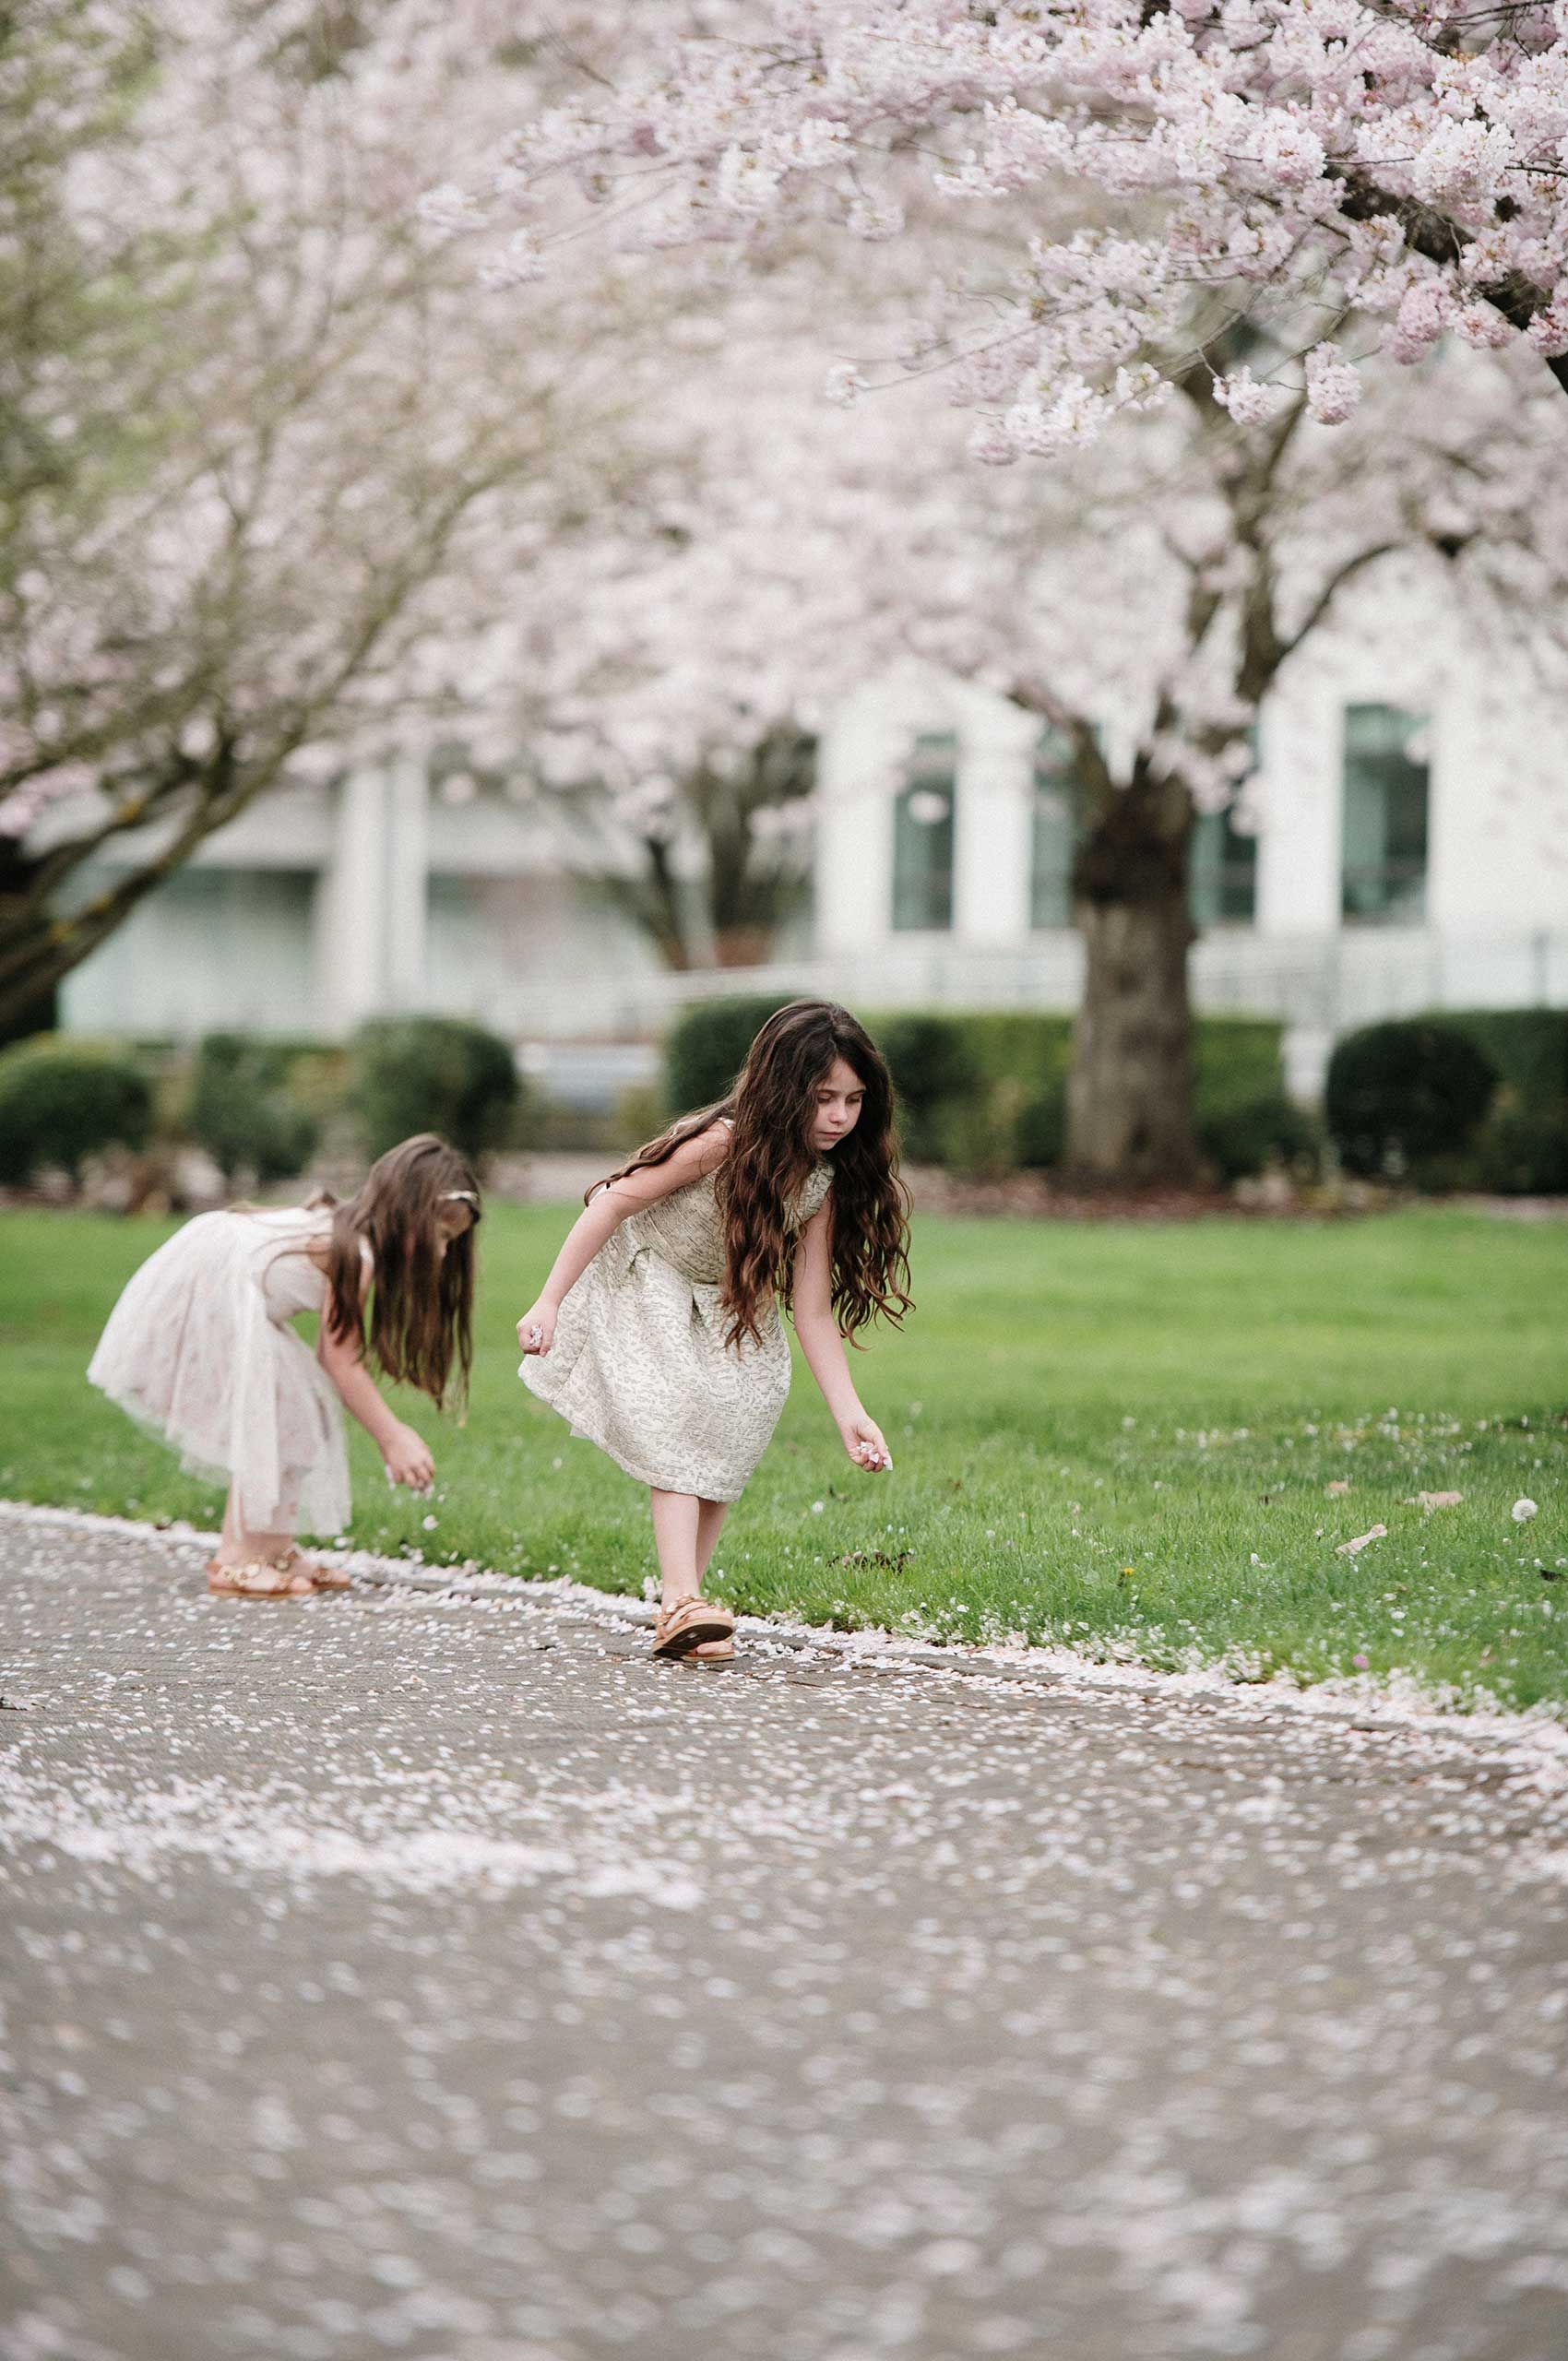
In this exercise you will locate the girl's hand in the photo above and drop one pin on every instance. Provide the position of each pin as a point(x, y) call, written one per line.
point(865, 1443)
point(408, 1460)
point(536, 1329)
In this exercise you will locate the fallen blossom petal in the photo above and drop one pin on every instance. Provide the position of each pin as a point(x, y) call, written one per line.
point(1350, 1548)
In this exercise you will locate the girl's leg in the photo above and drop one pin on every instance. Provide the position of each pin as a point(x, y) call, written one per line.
point(242, 1545)
point(676, 1526)
point(710, 1522)
point(684, 1530)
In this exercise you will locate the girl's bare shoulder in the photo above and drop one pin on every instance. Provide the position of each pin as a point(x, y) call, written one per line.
point(715, 1143)
point(690, 1159)
point(318, 1240)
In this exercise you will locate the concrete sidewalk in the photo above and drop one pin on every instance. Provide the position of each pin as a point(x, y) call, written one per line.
point(399, 1975)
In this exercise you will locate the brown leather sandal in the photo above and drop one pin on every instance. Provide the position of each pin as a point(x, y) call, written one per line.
point(260, 1578)
point(688, 1624)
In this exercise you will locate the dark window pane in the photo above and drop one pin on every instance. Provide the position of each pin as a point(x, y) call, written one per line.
point(1222, 873)
point(1386, 783)
point(923, 838)
point(1058, 824)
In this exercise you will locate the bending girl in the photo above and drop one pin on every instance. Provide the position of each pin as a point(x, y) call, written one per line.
point(657, 1333)
point(199, 1349)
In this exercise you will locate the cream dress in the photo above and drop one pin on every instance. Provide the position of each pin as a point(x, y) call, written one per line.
point(639, 1364)
point(200, 1349)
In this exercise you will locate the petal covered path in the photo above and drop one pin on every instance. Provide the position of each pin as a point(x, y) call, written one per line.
point(394, 1973)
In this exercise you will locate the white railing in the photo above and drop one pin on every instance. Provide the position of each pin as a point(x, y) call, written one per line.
point(1322, 985)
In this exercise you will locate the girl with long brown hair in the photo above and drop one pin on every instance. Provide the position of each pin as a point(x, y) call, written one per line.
point(658, 1331)
point(199, 1349)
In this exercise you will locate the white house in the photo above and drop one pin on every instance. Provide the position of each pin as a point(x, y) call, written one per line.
point(1405, 845)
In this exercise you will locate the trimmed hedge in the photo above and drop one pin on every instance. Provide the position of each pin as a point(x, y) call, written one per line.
point(707, 1046)
point(986, 1091)
point(244, 1109)
point(1467, 1099)
point(1528, 1046)
point(63, 1099)
point(432, 1073)
point(1522, 1147)
point(1401, 1095)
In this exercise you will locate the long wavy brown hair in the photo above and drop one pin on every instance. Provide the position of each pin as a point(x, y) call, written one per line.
point(420, 1327)
point(771, 1108)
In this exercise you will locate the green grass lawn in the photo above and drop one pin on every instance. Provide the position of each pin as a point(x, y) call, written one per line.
point(1115, 1436)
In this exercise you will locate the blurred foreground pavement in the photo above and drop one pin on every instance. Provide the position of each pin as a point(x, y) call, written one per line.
point(392, 1975)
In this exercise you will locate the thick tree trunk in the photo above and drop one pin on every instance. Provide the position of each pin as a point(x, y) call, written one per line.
point(38, 955)
point(1130, 1118)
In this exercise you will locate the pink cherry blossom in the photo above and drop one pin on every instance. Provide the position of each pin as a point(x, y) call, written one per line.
point(1335, 152)
point(1334, 388)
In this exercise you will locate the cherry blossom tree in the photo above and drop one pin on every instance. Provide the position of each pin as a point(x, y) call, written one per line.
point(766, 556)
point(1159, 596)
point(673, 667)
point(1220, 226)
point(257, 427)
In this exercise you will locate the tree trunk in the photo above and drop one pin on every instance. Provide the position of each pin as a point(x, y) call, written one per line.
point(1130, 1118)
point(40, 952)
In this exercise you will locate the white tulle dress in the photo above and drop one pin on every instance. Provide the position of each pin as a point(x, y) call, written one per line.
point(199, 1349)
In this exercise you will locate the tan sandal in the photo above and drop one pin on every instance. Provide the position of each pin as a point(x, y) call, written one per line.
point(260, 1578)
point(324, 1577)
point(688, 1624)
point(321, 1577)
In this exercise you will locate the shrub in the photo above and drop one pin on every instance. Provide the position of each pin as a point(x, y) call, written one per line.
point(925, 1056)
point(1402, 1093)
point(63, 1099)
point(1241, 1138)
point(986, 1090)
point(1528, 1046)
point(243, 1109)
point(1244, 1119)
point(1521, 1148)
point(1003, 1096)
point(432, 1073)
point(1520, 1154)
point(707, 1047)
point(1041, 1134)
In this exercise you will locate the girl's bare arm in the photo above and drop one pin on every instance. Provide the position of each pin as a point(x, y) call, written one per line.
point(407, 1454)
point(823, 1346)
point(604, 1214)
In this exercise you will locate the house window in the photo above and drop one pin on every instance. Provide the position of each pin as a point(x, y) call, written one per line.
point(1222, 871)
point(923, 838)
point(1386, 782)
point(1057, 827)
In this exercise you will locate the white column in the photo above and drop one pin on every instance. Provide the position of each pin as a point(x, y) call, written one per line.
point(408, 866)
point(994, 834)
point(1301, 811)
point(369, 923)
point(349, 925)
point(856, 779)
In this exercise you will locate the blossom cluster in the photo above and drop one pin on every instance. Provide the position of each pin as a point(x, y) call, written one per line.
point(1400, 159)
